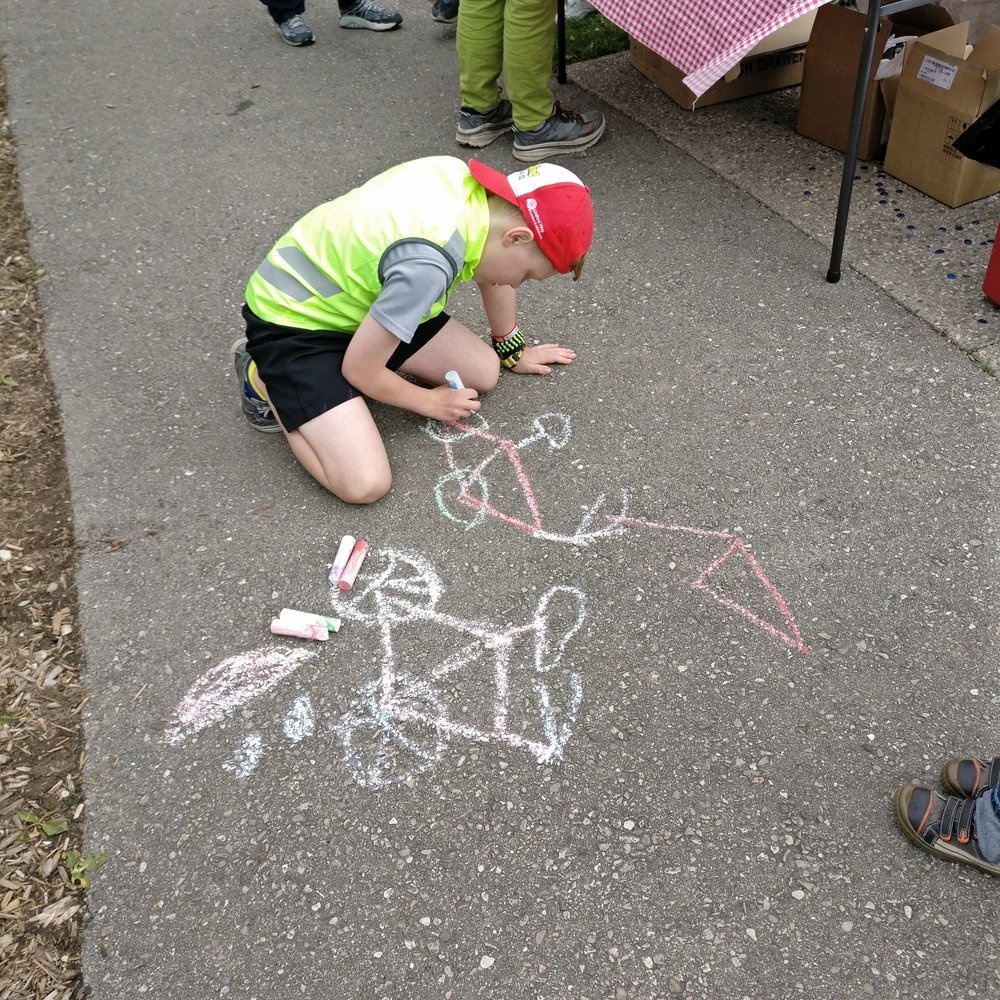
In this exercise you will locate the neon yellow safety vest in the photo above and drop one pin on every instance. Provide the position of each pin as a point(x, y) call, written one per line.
point(325, 272)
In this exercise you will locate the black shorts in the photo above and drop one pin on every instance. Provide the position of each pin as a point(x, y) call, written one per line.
point(302, 369)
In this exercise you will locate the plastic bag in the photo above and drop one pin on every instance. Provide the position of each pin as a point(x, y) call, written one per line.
point(981, 140)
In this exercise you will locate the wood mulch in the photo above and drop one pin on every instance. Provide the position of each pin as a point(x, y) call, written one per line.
point(41, 699)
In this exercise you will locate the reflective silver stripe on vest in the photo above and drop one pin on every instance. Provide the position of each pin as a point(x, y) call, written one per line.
point(308, 271)
point(283, 281)
point(305, 270)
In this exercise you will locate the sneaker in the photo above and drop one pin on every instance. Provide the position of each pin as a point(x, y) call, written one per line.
point(445, 11)
point(562, 132)
point(478, 130)
point(295, 31)
point(969, 776)
point(256, 411)
point(941, 824)
point(375, 17)
point(576, 10)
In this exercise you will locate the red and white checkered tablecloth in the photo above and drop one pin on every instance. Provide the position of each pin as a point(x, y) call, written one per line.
point(704, 38)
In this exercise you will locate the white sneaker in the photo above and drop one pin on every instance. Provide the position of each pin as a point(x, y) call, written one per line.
point(578, 9)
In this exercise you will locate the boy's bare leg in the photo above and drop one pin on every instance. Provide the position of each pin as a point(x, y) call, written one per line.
point(342, 448)
point(456, 346)
point(343, 451)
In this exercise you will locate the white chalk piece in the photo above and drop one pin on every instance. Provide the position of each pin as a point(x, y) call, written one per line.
point(304, 618)
point(340, 559)
point(454, 379)
point(350, 573)
point(300, 630)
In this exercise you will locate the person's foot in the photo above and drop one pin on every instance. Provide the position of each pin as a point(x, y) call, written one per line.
point(478, 130)
point(968, 776)
point(578, 9)
point(367, 14)
point(256, 410)
point(445, 11)
point(562, 132)
point(944, 825)
point(295, 31)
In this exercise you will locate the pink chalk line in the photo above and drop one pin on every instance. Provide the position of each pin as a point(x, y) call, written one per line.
point(792, 638)
point(230, 684)
point(536, 527)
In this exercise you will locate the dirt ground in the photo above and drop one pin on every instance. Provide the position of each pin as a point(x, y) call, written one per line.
point(43, 872)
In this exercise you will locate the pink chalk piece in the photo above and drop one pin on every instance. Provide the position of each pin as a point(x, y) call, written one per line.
point(340, 559)
point(350, 573)
point(300, 630)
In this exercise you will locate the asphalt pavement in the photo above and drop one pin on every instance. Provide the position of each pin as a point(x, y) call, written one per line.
point(635, 663)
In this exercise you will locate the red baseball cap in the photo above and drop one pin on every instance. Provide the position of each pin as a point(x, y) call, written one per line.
point(555, 204)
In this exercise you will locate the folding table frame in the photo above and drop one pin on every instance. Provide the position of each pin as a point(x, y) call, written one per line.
point(876, 9)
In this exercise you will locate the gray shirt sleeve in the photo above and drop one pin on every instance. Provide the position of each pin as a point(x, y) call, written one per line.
point(415, 274)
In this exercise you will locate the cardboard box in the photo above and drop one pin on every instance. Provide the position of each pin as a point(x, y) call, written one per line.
point(831, 73)
point(775, 63)
point(943, 89)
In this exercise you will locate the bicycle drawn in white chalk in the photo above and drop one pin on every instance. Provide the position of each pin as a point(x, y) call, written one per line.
point(400, 723)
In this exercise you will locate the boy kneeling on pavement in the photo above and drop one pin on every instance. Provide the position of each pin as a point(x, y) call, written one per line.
point(354, 294)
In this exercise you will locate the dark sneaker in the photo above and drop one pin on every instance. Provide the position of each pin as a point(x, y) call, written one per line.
point(375, 17)
point(942, 824)
point(478, 130)
point(968, 776)
point(445, 11)
point(256, 411)
point(295, 31)
point(562, 132)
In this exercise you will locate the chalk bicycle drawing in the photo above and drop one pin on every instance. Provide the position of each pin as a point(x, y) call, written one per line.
point(399, 724)
point(468, 487)
point(463, 496)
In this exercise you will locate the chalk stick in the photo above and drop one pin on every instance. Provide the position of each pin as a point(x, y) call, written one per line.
point(299, 630)
point(304, 618)
point(340, 559)
point(454, 379)
point(350, 573)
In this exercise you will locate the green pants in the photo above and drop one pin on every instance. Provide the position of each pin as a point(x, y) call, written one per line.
point(513, 37)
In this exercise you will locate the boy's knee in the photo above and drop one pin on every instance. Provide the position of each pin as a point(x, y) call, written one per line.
point(485, 378)
point(364, 491)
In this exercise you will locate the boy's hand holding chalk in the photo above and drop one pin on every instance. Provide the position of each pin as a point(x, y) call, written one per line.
point(453, 403)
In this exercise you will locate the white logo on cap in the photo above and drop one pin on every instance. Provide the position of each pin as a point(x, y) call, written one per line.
point(532, 206)
point(540, 175)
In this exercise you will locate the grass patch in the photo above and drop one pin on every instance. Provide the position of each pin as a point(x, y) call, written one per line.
point(590, 37)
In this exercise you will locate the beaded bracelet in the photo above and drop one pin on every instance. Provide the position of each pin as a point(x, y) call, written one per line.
point(510, 348)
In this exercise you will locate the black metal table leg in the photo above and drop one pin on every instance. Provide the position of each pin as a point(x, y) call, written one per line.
point(853, 137)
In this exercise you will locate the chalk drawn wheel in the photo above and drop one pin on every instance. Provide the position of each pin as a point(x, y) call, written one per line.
point(388, 739)
point(473, 425)
point(554, 429)
point(463, 497)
